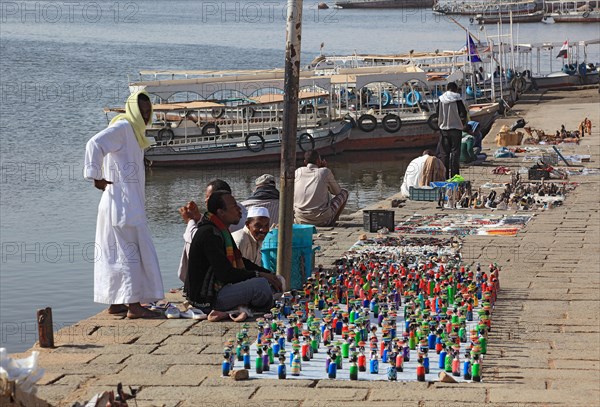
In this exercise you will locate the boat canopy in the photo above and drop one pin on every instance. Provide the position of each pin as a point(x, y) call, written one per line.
point(278, 97)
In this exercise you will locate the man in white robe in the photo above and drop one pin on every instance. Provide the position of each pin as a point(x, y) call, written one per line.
point(126, 270)
point(250, 239)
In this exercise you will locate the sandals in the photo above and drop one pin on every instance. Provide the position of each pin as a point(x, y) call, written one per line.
point(501, 170)
point(193, 313)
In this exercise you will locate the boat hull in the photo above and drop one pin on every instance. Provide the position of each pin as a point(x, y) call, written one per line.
point(413, 134)
point(577, 17)
point(385, 4)
point(236, 152)
point(564, 81)
point(505, 19)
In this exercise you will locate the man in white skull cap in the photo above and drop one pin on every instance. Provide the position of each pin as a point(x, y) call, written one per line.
point(250, 239)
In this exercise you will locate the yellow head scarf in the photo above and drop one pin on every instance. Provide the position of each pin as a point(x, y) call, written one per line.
point(134, 117)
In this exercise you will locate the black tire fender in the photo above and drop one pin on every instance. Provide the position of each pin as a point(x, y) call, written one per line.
point(211, 129)
point(432, 122)
point(306, 136)
point(391, 123)
point(367, 123)
point(255, 147)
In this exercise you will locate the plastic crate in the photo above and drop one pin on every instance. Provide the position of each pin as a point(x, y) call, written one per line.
point(426, 194)
point(303, 263)
point(373, 220)
point(450, 185)
point(538, 174)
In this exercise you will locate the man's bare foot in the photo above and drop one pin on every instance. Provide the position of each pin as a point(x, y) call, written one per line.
point(136, 311)
point(117, 309)
point(216, 316)
point(238, 316)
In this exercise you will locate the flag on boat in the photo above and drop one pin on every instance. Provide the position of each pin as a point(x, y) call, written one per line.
point(472, 54)
point(563, 50)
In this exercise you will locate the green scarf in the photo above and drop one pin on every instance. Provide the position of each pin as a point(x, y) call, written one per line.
point(231, 251)
point(134, 117)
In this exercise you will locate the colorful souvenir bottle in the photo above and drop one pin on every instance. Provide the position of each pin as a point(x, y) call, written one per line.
point(362, 359)
point(281, 369)
point(476, 369)
point(442, 360)
point(420, 370)
point(296, 367)
point(353, 367)
point(467, 368)
point(265, 357)
point(226, 365)
point(431, 340)
point(392, 373)
point(483, 344)
point(374, 363)
point(332, 369)
point(258, 363)
point(246, 356)
point(456, 364)
point(399, 361)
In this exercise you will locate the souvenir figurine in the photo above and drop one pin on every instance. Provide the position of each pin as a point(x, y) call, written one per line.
point(265, 365)
point(362, 359)
point(296, 367)
point(332, 369)
point(420, 370)
point(258, 363)
point(281, 369)
point(374, 364)
point(353, 367)
point(226, 365)
point(246, 355)
point(467, 366)
point(391, 371)
point(456, 361)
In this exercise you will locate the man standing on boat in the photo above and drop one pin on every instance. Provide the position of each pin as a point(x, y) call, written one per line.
point(313, 184)
point(452, 117)
point(126, 270)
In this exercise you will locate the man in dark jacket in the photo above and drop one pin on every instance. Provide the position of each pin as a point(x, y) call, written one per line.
point(452, 117)
point(219, 278)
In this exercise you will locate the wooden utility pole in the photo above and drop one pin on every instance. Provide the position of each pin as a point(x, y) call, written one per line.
point(288, 145)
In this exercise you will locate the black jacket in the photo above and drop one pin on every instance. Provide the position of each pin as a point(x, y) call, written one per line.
point(208, 264)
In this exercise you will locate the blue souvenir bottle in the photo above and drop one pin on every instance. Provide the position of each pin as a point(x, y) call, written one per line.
point(374, 364)
point(226, 365)
point(246, 356)
point(332, 371)
point(281, 369)
point(467, 369)
point(431, 340)
point(442, 361)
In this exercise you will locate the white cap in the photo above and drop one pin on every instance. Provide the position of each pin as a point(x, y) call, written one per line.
point(258, 211)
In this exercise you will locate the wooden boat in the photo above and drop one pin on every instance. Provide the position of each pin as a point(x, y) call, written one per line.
point(592, 16)
point(385, 3)
point(534, 17)
point(245, 148)
point(471, 8)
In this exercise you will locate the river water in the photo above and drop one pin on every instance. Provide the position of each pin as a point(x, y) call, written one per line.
point(62, 62)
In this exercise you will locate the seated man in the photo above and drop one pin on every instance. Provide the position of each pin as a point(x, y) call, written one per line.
point(250, 238)
point(191, 215)
point(265, 195)
point(421, 171)
point(218, 277)
point(313, 184)
point(468, 151)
